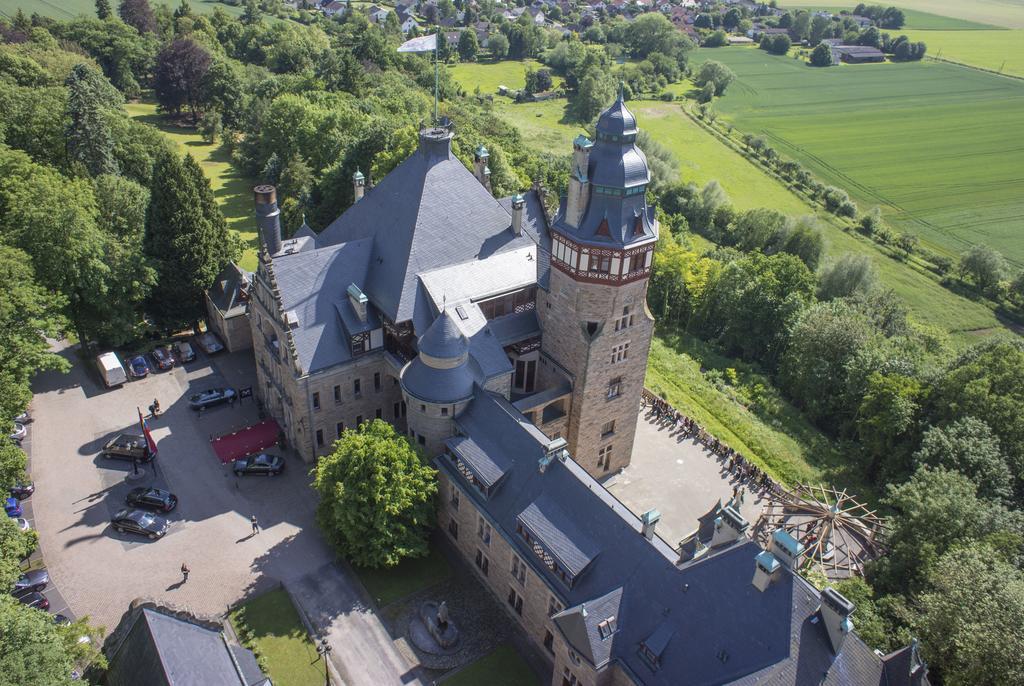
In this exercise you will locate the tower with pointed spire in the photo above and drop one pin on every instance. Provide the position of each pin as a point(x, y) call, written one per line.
point(594, 316)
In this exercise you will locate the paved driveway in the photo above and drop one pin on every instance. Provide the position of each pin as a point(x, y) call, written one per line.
point(100, 572)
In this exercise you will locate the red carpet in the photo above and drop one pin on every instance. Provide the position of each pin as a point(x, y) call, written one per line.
point(249, 440)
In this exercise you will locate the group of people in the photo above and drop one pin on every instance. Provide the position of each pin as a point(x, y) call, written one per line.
point(748, 475)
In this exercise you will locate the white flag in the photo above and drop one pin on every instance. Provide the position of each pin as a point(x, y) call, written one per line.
point(421, 44)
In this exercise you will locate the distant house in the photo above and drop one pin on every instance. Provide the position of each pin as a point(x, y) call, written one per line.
point(483, 33)
point(157, 645)
point(856, 54)
point(452, 38)
point(378, 15)
point(740, 40)
point(449, 23)
point(335, 8)
point(862, 22)
point(759, 31)
point(538, 15)
point(406, 21)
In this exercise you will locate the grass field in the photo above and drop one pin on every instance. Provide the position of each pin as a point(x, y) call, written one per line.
point(1007, 13)
point(702, 158)
point(232, 190)
point(388, 585)
point(271, 627)
point(1001, 51)
point(936, 146)
point(503, 667)
point(66, 9)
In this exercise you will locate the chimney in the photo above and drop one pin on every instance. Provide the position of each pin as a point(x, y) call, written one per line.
point(556, 449)
point(729, 526)
point(358, 186)
point(835, 612)
point(766, 570)
point(517, 214)
point(480, 169)
point(578, 194)
point(358, 300)
point(648, 521)
point(786, 549)
point(268, 217)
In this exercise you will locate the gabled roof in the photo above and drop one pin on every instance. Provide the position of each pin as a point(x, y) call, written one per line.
point(429, 212)
point(227, 290)
point(710, 623)
point(160, 648)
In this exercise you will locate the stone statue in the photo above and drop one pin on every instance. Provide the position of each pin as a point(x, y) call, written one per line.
point(442, 614)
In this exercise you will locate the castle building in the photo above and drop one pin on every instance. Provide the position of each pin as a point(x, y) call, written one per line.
point(511, 346)
point(552, 308)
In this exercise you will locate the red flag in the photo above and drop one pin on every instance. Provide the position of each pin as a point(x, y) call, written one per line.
point(150, 443)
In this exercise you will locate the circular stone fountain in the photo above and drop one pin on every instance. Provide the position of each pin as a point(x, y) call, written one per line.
point(432, 630)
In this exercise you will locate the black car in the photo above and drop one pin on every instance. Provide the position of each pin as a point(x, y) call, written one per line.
point(152, 499)
point(62, 620)
point(36, 600)
point(263, 464)
point(162, 358)
point(31, 581)
point(212, 397)
point(140, 522)
point(22, 491)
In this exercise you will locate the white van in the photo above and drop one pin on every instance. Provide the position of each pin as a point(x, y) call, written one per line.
point(111, 371)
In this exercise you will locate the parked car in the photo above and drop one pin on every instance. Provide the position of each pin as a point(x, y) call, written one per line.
point(138, 367)
point(34, 580)
point(19, 433)
point(263, 464)
point(211, 398)
point(184, 351)
point(140, 522)
point(152, 499)
point(162, 358)
point(22, 491)
point(23, 524)
point(12, 507)
point(23, 418)
point(128, 447)
point(62, 620)
point(209, 343)
point(36, 600)
point(111, 370)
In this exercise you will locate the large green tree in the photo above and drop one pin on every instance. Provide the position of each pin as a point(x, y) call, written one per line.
point(970, 447)
point(186, 240)
point(376, 496)
point(89, 140)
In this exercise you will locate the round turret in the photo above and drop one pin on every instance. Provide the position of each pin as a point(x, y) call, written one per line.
point(617, 120)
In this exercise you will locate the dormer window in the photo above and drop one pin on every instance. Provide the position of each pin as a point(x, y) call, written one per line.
point(606, 628)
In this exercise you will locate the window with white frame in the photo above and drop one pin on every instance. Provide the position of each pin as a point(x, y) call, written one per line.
point(620, 352)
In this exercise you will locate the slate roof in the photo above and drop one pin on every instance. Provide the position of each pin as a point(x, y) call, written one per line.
point(226, 292)
point(716, 627)
point(314, 284)
point(428, 381)
point(620, 218)
point(443, 339)
point(429, 212)
point(162, 649)
point(486, 468)
point(580, 626)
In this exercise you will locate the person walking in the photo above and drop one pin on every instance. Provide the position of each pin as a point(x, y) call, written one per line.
point(255, 524)
point(184, 572)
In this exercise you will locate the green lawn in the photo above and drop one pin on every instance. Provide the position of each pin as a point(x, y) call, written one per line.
point(1001, 51)
point(503, 667)
point(738, 404)
point(386, 586)
point(232, 190)
point(489, 75)
point(67, 9)
point(1007, 13)
point(270, 626)
point(937, 146)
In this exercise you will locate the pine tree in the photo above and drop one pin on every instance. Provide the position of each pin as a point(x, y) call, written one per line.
point(89, 140)
point(186, 239)
point(103, 10)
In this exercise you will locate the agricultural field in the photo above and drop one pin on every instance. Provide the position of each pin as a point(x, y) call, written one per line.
point(1006, 13)
point(67, 9)
point(702, 158)
point(232, 190)
point(1000, 51)
point(936, 146)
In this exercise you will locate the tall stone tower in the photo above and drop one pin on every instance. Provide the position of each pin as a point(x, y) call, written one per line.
point(594, 316)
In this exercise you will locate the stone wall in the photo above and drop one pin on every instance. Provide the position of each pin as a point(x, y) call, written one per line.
point(535, 593)
point(234, 330)
point(565, 311)
point(430, 424)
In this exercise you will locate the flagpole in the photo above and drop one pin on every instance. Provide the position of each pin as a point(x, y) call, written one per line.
point(437, 38)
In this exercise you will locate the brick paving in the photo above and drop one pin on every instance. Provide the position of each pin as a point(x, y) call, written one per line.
point(100, 572)
point(678, 477)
